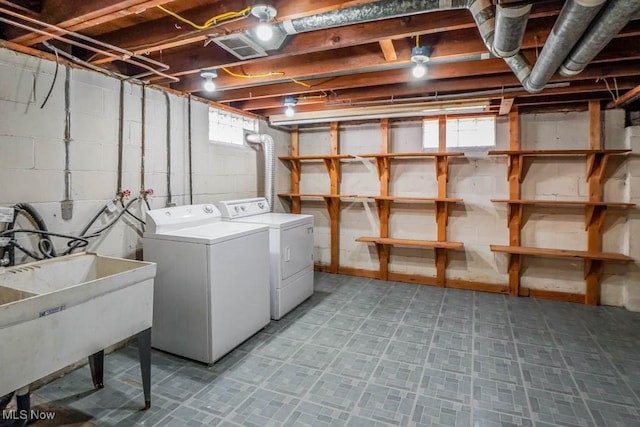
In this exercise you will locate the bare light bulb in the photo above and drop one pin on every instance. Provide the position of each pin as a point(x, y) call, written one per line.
point(209, 84)
point(289, 111)
point(419, 71)
point(264, 31)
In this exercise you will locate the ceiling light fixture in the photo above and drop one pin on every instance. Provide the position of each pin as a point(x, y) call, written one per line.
point(208, 76)
point(419, 55)
point(265, 14)
point(289, 103)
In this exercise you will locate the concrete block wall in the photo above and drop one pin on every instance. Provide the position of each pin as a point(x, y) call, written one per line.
point(32, 150)
point(478, 178)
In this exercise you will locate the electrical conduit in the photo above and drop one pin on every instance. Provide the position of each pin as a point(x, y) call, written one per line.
point(268, 149)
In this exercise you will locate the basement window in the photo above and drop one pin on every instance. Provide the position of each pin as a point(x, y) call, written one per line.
point(229, 128)
point(463, 132)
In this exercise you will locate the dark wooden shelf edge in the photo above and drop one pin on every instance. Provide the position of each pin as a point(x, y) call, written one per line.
point(411, 243)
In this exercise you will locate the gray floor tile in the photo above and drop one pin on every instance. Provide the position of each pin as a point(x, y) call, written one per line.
point(449, 360)
point(493, 330)
point(403, 290)
point(354, 365)
point(415, 334)
point(446, 385)
point(538, 355)
point(408, 352)
point(500, 397)
point(457, 312)
point(221, 396)
point(185, 416)
point(366, 298)
point(420, 305)
point(421, 319)
point(394, 303)
point(312, 415)
point(568, 326)
point(530, 320)
point(610, 415)
point(314, 356)
point(572, 342)
point(316, 317)
point(491, 368)
point(397, 374)
point(255, 341)
point(345, 323)
point(385, 404)
point(548, 378)
point(431, 411)
point(455, 324)
point(331, 337)
point(605, 388)
point(533, 336)
point(588, 362)
point(336, 392)
point(490, 315)
point(299, 331)
point(253, 369)
point(558, 409)
point(131, 415)
point(264, 408)
point(357, 310)
point(278, 348)
point(494, 348)
point(618, 349)
point(452, 341)
point(629, 369)
point(367, 344)
point(485, 418)
point(292, 379)
point(355, 421)
point(379, 328)
point(185, 383)
point(387, 314)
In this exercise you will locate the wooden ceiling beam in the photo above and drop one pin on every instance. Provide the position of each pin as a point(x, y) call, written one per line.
point(625, 99)
point(76, 15)
point(388, 50)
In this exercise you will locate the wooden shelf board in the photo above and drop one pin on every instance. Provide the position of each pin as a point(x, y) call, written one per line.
point(554, 152)
point(317, 157)
point(414, 155)
point(563, 203)
point(561, 253)
point(334, 196)
point(417, 199)
point(411, 242)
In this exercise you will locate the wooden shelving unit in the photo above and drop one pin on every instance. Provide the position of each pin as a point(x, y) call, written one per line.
point(384, 201)
point(595, 209)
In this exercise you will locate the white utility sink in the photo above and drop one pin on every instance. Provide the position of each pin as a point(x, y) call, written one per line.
point(56, 312)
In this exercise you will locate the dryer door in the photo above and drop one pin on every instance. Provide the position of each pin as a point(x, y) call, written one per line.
point(296, 249)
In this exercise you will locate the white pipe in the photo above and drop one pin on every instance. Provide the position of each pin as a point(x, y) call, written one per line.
point(266, 142)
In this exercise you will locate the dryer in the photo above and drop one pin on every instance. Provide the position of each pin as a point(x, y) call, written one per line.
point(290, 250)
point(212, 284)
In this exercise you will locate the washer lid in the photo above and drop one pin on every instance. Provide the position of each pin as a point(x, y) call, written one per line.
point(209, 234)
point(177, 217)
point(278, 220)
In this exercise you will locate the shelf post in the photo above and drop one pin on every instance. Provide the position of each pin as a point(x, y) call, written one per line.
point(596, 164)
point(514, 212)
point(333, 203)
point(295, 171)
point(442, 208)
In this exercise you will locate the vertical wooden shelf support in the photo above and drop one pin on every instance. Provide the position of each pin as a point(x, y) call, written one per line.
point(442, 207)
point(514, 211)
point(296, 207)
point(384, 206)
point(333, 203)
point(596, 164)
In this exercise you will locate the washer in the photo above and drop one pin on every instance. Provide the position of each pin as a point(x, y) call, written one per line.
point(212, 284)
point(290, 250)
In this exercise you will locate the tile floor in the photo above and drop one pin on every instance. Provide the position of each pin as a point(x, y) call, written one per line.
point(366, 353)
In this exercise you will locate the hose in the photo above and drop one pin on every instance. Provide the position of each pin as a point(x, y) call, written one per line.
point(31, 213)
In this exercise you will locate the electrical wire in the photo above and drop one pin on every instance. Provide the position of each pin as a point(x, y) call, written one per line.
point(211, 21)
point(253, 76)
point(55, 76)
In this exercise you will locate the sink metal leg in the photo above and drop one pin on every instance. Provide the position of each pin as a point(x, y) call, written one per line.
point(96, 363)
point(144, 354)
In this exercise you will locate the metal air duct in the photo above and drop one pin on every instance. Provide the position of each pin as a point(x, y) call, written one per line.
point(613, 19)
point(511, 23)
point(574, 18)
point(268, 149)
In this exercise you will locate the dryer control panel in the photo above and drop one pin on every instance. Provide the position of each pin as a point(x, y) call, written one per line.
point(232, 209)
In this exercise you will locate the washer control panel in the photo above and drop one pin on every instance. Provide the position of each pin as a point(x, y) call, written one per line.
point(244, 207)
